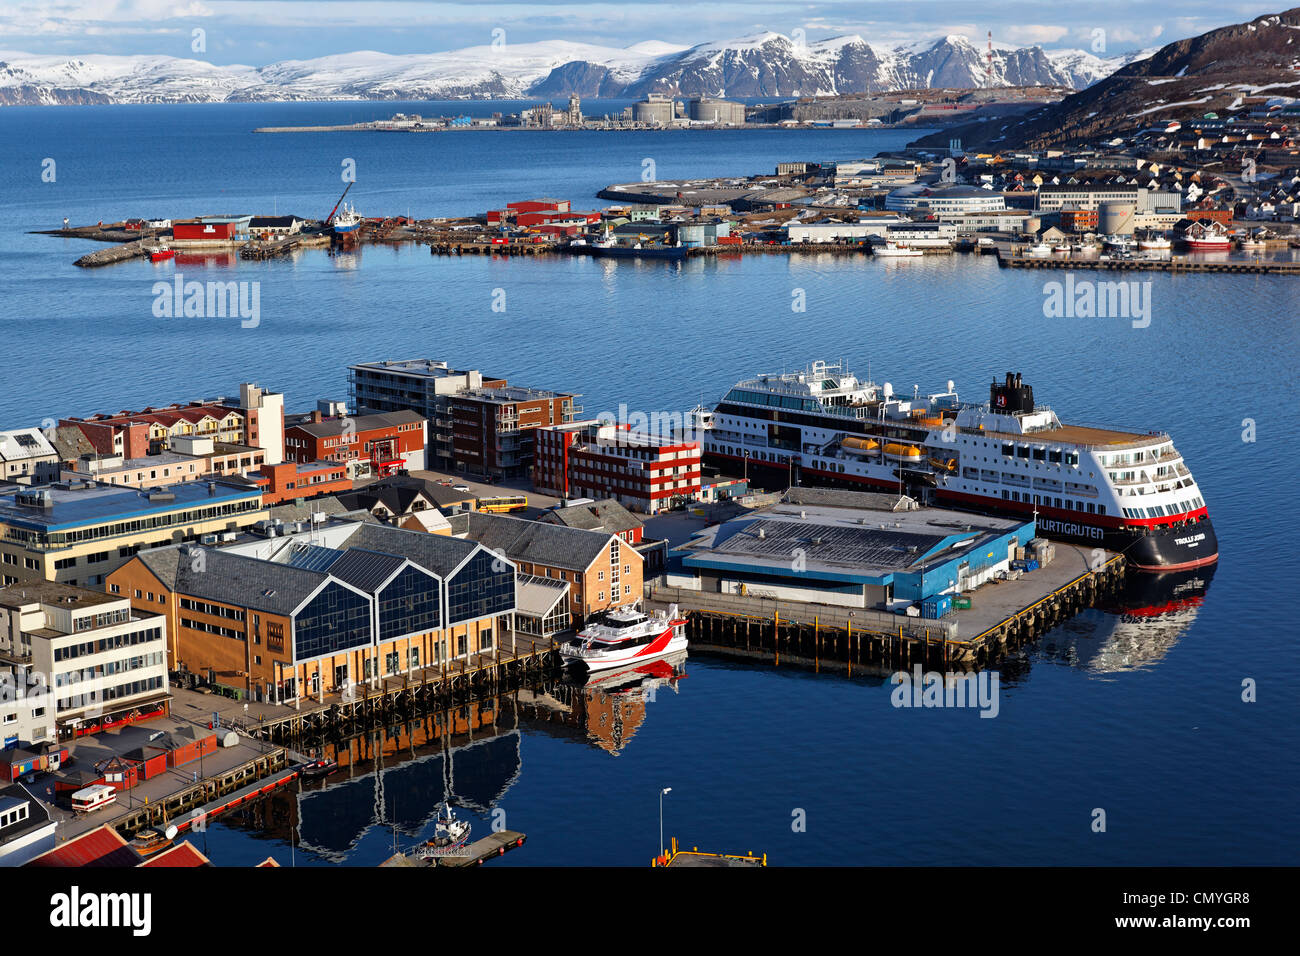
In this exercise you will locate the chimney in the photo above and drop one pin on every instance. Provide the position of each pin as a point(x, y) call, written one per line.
point(316, 416)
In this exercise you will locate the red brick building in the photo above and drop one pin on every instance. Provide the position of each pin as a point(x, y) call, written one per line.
point(290, 480)
point(378, 444)
point(642, 472)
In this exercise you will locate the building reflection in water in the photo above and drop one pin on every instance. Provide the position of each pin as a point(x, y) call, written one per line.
point(393, 779)
point(1136, 629)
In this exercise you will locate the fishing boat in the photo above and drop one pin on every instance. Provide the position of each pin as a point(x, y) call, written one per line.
point(1039, 249)
point(1155, 243)
point(346, 223)
point(449, 833)
point(161, 254)
point(625, 635)
point(636, 250)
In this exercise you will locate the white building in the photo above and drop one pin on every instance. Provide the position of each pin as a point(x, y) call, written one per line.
point(26, 830)
point(75, 656)
point(940, 199)
point(799, 232)
point(1053, 198)
point(27, 457)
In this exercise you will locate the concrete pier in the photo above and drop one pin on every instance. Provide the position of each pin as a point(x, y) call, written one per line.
point(1004, 615)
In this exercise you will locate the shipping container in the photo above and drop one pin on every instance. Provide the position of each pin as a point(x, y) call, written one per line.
point(961, 603)
point(937, 606)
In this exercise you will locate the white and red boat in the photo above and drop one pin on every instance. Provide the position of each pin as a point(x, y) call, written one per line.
point(625, 636)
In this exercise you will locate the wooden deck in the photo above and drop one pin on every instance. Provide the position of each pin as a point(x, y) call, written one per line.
point(476, 854)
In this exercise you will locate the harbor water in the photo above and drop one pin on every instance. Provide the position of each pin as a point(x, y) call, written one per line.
point(1136, 710)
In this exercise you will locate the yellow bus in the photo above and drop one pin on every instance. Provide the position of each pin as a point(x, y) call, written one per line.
point(503, 503)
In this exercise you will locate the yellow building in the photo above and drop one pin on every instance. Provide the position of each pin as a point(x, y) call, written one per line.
point(78, 532)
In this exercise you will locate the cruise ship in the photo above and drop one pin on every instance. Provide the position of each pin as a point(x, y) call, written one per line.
point(1124, 491)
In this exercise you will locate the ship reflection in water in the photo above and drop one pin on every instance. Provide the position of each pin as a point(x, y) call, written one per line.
point(606, 708)
point(391, 781)
point(1134, 630)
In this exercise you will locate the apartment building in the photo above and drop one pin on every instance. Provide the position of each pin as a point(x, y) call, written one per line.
point(477, 424)
point(254, 418)
point(27, 457)
point(644, 473)
point(185, 459)
point(77, 660)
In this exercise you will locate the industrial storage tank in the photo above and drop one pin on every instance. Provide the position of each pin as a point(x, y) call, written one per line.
point(655, 109)
point(1116, 218)
point(712, 110)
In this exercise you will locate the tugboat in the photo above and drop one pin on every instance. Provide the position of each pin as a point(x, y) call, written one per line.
point(625, 635)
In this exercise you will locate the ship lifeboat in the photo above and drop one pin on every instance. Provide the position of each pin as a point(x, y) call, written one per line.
point(909, 454)
point(859, 446)
point(941, 464)
point(930, 421)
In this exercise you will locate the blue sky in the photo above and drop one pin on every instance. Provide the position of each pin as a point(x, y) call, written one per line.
point(256, 32)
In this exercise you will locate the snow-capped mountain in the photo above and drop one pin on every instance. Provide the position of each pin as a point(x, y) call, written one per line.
point(768, 64)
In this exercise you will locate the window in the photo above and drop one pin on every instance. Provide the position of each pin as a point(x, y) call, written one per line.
point(485, 639)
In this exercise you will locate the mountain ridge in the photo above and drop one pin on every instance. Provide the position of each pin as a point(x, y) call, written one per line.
point(763, 65)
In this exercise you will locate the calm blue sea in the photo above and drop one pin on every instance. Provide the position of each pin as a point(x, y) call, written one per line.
point(1140, 714)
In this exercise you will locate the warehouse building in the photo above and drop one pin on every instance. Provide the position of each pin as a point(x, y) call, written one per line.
point(848, 548)
point(282, 616)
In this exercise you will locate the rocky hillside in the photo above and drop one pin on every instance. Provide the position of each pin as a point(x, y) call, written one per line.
point(1180, 81)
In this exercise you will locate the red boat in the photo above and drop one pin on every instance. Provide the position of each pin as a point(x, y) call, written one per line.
point(159, 255)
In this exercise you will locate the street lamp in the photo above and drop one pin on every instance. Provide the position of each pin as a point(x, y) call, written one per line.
point(661, 817)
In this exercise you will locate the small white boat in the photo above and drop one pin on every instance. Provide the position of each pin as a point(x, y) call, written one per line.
point(1061, 247)
point(1041, 249)
point(625, 635)
point(1155, 243)
point(895, 249)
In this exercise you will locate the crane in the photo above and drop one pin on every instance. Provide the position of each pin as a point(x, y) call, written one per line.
point(339, 203)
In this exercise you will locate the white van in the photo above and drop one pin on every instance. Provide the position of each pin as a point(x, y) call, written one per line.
point(92, 798)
